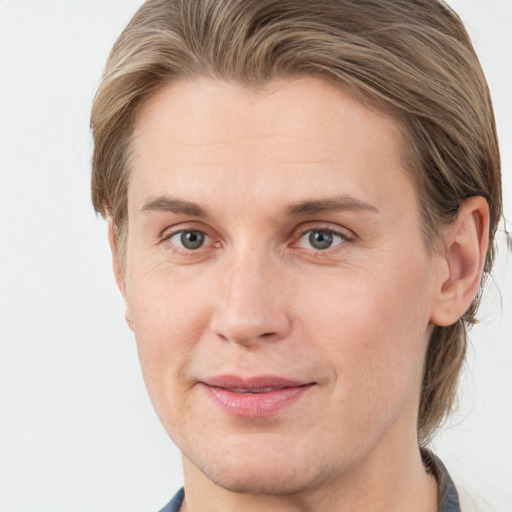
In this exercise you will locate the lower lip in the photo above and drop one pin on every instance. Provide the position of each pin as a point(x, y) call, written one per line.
point(253, 405)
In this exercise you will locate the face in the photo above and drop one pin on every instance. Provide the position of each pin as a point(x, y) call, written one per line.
point(277, 282)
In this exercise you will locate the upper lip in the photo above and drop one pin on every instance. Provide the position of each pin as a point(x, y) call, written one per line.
point(260, 383)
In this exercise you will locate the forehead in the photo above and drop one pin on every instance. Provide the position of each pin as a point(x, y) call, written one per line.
point(205, 111)
point(294, 134)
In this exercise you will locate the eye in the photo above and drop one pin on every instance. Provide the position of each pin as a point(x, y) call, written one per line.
point(189, 239)
point(320, 239)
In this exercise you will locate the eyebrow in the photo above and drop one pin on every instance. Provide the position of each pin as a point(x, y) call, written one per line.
point(334, 204)
point(178, 206)
point(303, 208)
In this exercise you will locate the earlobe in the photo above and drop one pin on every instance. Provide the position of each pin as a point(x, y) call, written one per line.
point(465, 249)
point(117, 267)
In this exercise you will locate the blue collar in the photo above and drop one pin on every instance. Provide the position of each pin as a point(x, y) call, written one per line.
point(448, 497)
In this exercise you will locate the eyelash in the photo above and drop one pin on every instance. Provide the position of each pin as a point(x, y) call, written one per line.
point(345, 238)
point(184, 251)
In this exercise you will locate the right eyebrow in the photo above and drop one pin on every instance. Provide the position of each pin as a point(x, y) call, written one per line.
point(173, 205)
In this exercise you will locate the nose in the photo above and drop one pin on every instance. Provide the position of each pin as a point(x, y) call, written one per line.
point(253, 306)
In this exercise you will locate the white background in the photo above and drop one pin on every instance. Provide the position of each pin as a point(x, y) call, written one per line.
point(77, 431)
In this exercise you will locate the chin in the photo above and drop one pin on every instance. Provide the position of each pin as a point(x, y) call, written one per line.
point(264, 468)
point(253, 479)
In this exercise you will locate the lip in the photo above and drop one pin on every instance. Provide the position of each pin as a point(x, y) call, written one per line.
point(253, 397)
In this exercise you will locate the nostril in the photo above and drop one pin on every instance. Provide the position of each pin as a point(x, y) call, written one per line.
point(222, 336)
point(249, 323)
point(245, 338)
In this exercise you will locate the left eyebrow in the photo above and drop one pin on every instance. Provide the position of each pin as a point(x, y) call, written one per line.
point(334, 204)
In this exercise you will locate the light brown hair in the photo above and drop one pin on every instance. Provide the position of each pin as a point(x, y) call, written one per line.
point(409, 59)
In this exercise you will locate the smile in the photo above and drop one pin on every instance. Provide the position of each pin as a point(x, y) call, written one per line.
point(255, 397)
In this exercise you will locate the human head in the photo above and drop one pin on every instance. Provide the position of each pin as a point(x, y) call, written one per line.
point(408, 59)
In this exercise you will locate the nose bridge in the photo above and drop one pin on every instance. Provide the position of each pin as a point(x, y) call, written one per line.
point(252, 308)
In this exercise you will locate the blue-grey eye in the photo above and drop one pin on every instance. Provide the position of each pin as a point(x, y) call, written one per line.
point(190, 240)
point(320, 240)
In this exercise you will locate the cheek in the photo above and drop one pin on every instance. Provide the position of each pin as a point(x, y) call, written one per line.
point(378, 302)
point(372, 328)
point(165, 304)
point(168, 318)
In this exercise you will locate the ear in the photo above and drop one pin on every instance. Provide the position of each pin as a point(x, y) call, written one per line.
point(465, 249)
point(118, 267)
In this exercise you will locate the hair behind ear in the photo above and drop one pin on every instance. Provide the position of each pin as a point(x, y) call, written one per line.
point(443, 364)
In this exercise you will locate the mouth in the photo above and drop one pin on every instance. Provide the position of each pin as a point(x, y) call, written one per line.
point(254, 397)
point(254, 390)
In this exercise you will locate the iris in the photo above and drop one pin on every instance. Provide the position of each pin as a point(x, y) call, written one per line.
point(320, 239)
point(192, 239)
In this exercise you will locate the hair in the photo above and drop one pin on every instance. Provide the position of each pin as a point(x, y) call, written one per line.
point(410, 59)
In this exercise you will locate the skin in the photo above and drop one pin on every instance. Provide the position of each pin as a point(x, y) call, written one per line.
point(257, 298)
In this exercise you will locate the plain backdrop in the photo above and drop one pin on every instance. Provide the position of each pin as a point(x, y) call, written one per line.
point(77, 431)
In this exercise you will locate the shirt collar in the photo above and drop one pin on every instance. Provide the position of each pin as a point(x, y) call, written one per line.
point(448, 497)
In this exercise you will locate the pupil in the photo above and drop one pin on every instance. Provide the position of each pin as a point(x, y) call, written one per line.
point(192, 239)
point(320, 239)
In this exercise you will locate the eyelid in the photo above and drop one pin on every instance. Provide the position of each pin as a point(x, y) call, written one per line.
point(170, 234)
point(171, 230)
point(324, 226)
